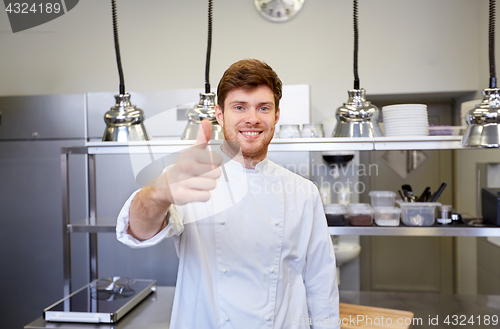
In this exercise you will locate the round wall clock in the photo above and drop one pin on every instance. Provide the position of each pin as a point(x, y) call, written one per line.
point(278, 10)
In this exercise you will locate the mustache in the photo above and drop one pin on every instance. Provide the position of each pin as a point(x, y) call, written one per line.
point(251, 127)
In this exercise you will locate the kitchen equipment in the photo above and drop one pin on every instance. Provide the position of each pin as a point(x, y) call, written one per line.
point(435, 196)
point(124, 122)
point(312, 130)
point(456, 218)
point(425, 195)
point(406, 120)
point(490, 203)
point(204, 110)
point(387, 216)
point(444, 214)
point(382, 198)
point(289, 131)
point(408, 193)
point(101, 301)
point(418, 213)
point(206, 106)
point(360, 215)
point(368, 317)
point(483, 121)
point(336, 214)
point(358, 117)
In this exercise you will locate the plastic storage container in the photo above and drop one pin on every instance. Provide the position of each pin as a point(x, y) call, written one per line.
point(444, 214)
point(336, 214)
point(387, 216)
point(418, 213)
point(360, 215)
point(445, 130)
point(356, 205)
point(382, 198)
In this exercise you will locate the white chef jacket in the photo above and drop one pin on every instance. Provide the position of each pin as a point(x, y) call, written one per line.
point(256, 255)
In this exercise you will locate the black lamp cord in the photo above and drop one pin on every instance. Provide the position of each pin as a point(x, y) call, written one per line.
point(209, 48)
point(493, 79)
point(117, 48)
point(356, 37)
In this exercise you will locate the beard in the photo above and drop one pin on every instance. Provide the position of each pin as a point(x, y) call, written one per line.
point(253, 149)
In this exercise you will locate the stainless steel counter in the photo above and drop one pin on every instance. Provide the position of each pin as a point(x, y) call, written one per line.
point(430, 310)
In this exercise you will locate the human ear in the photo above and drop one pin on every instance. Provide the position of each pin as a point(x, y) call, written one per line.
point(219, 115)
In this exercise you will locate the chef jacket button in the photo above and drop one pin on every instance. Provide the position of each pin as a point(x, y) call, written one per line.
point(227, 318)
point(276, 223)
point(224, 270)
point(271, 269)
point(222, 222)
point(267, 317)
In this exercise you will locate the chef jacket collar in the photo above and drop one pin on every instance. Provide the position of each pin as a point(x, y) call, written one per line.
point(231, 163)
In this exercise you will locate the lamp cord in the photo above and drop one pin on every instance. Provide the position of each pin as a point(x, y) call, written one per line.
point(209, 48)
point(493, 78)
point(356, 37)
point(117, 48)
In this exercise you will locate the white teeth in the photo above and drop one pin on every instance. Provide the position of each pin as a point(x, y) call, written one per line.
point(250, 133)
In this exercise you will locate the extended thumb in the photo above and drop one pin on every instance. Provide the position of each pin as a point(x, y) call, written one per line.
point(204, 132)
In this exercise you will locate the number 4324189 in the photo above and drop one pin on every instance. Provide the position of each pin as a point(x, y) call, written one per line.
point(462, 320)
point(25, 8)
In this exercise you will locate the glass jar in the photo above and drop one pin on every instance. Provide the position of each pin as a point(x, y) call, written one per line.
point(289, 131)
point(312, 130)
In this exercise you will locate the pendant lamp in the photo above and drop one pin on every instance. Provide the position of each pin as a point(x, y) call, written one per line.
point(205, 109)
point(358, 117)
point(482, 121)
point(124, 121)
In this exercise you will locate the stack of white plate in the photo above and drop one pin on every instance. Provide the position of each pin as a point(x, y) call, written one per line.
point(406, 120)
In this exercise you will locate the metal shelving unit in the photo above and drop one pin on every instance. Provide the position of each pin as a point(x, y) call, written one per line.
point(285, 145)
point(94, 225)
point(108, 225)
point(442, 230)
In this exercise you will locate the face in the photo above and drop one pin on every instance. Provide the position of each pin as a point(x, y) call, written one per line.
point(249, 118)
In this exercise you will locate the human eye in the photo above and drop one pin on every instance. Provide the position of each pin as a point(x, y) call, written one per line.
point(238, 107)
point(264, 109)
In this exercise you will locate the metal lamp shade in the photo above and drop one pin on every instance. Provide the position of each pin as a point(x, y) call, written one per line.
point(483, 129)
point(204, 110)
point(357, 118)
point(124, 122)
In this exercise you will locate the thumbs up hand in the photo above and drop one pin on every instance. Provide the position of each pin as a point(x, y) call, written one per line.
point(195, 172)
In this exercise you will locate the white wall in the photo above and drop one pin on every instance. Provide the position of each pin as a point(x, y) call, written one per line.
point(406, 46)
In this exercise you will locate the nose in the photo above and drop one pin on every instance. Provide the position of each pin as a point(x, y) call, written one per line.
point(252, 117)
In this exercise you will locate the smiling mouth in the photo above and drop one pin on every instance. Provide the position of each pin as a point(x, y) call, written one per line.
point(250, 133)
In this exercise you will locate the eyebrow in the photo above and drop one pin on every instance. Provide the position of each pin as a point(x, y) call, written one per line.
point(242, 102)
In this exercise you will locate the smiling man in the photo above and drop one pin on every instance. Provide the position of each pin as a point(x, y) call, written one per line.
point(257, 257)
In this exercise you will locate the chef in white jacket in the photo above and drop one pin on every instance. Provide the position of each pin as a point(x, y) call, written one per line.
point(252, 239)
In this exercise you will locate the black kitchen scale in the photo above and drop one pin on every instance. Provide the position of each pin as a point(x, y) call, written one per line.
point(101, 301)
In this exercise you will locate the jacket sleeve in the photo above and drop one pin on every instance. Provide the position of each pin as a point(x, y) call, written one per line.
point(175, 226)
point(320, 277)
